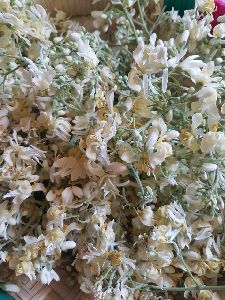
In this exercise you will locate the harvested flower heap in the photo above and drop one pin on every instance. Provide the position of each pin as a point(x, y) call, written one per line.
point(112, 149)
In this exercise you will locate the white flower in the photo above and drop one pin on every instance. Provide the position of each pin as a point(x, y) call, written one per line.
point(47, 275)
point(208, 103)
point(59, 127)
point(106, 238)
point(7, 18)
point(20, 190)
point(121, 292)
point(3, 256)
point(153, 135)
point(153, 275)
point(82, 122)
point(116, 168)
point(189, 283)
point(192, 65)
point(183, 38)
point(43, 81)
point(99, 20)
point(129, 3)
point(192, 254)
point(134, 81)
point(209, 167)
point(213, 142)
point(176, 214)
point(26, 268)
point(164, 150)
point(84, 50)
point(158, 140)
point(219, 31)
point(6, 219)
point(4, 120)
point(151, 59)
point(208, 295)
point(126, 152)
point(204, 75)
point(68, 245)
point(165, 80)
point(206, 5)
point(198, 28)
point(197, 120)
point(67, 195)
point(69, 166)
point(147, 216)
point(223, 109)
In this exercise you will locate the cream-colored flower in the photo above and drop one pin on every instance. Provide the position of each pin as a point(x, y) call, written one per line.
point(84, 49)
point(213, 142)
point(197, 120)
point(4, 120)
point(209, 167)
point(26, 268)
point(206, 5)
point(106, 238)
point(47, 275)
point(208, 295)
point(142, 107)
point(134, 81)
point(99, 20)
point(70, 166)
point(158, 139)
point(146, 216)
point(223, 109)
point(219, 30)
point(116, 168)
point(126, 152)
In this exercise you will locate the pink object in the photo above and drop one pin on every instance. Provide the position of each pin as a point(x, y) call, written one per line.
point(220, 11)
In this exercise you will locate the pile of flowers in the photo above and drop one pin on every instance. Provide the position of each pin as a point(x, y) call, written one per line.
point(112, 149)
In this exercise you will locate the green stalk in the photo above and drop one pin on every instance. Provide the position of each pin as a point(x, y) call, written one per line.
point(142, 18)
point(196, 288)
point(136, 176)
point(180, 256)
point(130, 22)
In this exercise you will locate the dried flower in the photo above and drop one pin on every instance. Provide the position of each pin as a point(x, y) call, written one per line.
point(112, 148)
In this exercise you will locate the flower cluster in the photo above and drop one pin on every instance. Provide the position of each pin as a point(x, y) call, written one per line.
point(112, 152)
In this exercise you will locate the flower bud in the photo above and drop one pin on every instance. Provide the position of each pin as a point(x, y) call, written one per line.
point(147, 216)
point(58, 39)
point(60, 68)
point(169, 115)
point(209, 167)
point(66, 51)
point(219, 60)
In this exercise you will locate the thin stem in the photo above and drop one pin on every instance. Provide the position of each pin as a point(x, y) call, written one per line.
point(157, 22)
point(136, 176)
point(122, 47)
point(7, 73)
point(147, 19)
point(138, 23)
point(113, 58)
point(131, 23)
point(180, 256)
point(142, 18)
point(194, 288)
point(143, 128)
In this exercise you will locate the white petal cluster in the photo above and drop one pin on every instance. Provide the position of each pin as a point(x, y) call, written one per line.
point(112, 149)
